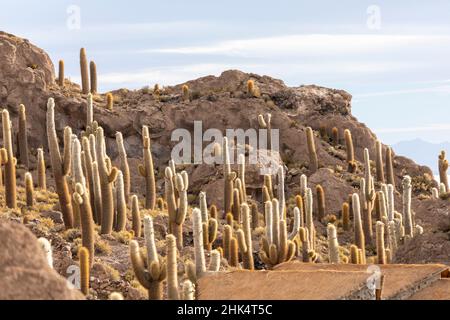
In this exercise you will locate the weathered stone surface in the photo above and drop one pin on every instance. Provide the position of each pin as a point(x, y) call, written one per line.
point(24, 272)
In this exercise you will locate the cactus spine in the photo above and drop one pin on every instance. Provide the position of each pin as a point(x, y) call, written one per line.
point(42, 181)
point(81, 197)
point(84, 72)
point(29, 189)
point(390, 167)
point(443, 166)
point(136, 216)
point(23, 137)
point(200, 264)
point(227, 235)
point(381, 250)
point(83, 254)
point(407, 215)
point(107, 175)
point(379, 162)
point(146, 170)
point(313, 160)
point(121, 207)
point(333, 244)
point(350, 151)
point(354, 254)
point(298, 222)
point(60, 165)
point(93, 74)
point(61, 73)
point(245, 238)
point(10, 163)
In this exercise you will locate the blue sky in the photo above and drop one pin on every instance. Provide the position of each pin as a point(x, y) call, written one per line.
point(395, 64)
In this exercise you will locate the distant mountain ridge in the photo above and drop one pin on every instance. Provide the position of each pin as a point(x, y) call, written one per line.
point(423, 152)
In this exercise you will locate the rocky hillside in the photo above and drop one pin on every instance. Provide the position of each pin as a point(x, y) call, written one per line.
point(27, 76)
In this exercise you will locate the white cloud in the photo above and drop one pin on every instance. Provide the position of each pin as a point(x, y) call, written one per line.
point(437, 89)
point(429, 128)
point(310, 44)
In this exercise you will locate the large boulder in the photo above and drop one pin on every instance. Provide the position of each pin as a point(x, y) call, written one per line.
point(24, 271)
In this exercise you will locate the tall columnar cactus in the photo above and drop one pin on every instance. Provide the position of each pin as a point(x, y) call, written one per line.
point(241, 175)
point(245, 238)
point(107, 176)
point(298, 222)
point(266, 123)
point(228, 177)
point(345, 216)
point(313, 160)
point(29, 189)
point(381, 250)
point(435, 193)
point(390, 202)
point(354, 254)
point(42, 180)
point(124, 165)
point(23, 137)
point(47, 248)
point(390, 167)
point(185, 91)
point(60, 165)
point(109, 101)
point(177, 210)
point(309, 217)
point(209, 232)
point(335, 135)
point(81, 197)
point(320, 202)
point(333, 244)
point(10, 162)
point(93, 74)
point(382, 205)
point(268, 185)
point(203, 206)
point(146, 170)
point(359, 233)
point(303, 184)
point(151, 270)
point(350, 151)
point(97, 190)
point(188, 290)
point(443, 166)
point(308, 254)
point(277, 248)
point(407, 215)
point(61, 73)
point(83, 255)
point(84, 72)
point(199, 253)
point(369, 198)
point(87, 160)
point(172, 269)
point(379, 162)
point(135, 216)
point(121, 207)
point(235, 207)
point(280, 190)
point(226, 241)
